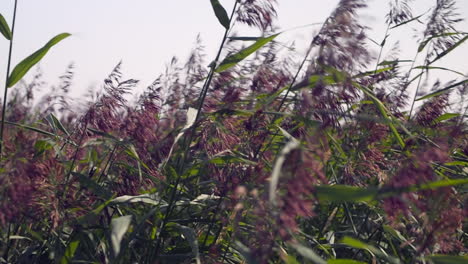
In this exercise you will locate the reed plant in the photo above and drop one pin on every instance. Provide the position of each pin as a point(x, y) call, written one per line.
point(260, 157)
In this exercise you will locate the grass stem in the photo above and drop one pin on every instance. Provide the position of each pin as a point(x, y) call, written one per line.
point(5, 93)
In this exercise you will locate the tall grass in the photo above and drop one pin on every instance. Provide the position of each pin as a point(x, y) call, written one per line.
point(258, 158)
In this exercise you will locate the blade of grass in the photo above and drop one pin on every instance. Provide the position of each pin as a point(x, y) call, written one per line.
point(442, 91)
point(221, 14)
point(232, 60)
point(4, 28)
point(383, 112)
point(25, 65)
point(407, 21)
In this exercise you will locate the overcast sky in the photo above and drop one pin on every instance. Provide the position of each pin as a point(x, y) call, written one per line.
point(145, 34)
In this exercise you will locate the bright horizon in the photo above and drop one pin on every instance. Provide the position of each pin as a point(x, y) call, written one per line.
point(146, 35)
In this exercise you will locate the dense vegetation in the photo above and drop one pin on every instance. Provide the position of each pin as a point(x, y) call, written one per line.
point(345, 156)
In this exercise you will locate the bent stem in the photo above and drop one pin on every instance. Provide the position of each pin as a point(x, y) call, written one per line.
point(5, 93)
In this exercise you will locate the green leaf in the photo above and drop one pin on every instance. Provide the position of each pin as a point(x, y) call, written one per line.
point(308, 254)
point(230, 159)
point(103, 134)
point(91, 185)
point(51, 123)
point(344, 261)
point(424, 43)
point(388, 192)
point(24, 66)
point(58, 124)
point(438, 68)
point(269, 98)
point(132, 152)
point(357, 244)
point(42, 145)
point(35, 235)
point(344, 193)
point(92, 217)
point(384, 41)
point(439, 184)
point(4, 28)
point(446, 116)
point(37, 130)
point(406, 22)
point(442, 91)
point(220, 13)
point(375, 42)
point(291, 260)
point(236, 58)
point(335, 76)
point(393, 62)
point(383, 112)
point(119, 227)
point(447, 51)
point(373, 250)
point(244, 38)
point(368, 73)
point(315, 80)
point(395, 233)
point(457, 163)
point(70, 252)
point(444, 259)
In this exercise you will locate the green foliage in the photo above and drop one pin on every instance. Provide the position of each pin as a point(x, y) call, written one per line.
point(4, 28)
point(442, 91)
point(25, 65)
point(220, 13)
point(234, 59)
point(441, 259)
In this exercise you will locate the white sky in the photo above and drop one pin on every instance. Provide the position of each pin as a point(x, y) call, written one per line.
point(145, 34)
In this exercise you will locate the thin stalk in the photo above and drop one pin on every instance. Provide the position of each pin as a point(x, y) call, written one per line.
point(107, 165)
point(5, 93)
point(293, 81)
point(415, 95)
point(417, 88)
point(63, 193)
point(2, 125)
point(283, 100)
point(8, 242)
point(72, 165)
point(67, 140)
point(462, 118)
point(345, 205)
point(212, 222)
point(408, 74)
point(381, 48)
point(181, 161)
point(223, 260)
point(350, 217)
